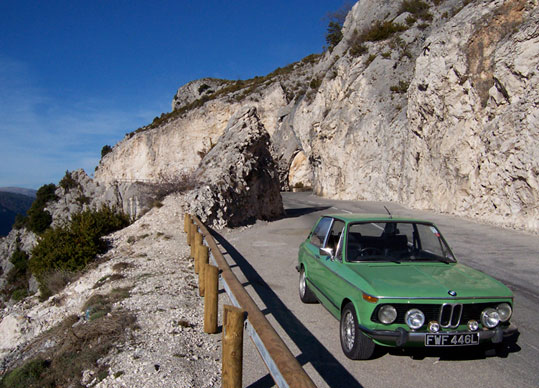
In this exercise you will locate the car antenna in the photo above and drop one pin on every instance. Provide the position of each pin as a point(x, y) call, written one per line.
point(388, 212)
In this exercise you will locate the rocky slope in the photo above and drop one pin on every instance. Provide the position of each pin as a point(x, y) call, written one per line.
point(167, 348)
point(439, 113)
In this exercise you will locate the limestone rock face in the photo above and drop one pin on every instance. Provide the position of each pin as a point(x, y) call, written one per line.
point(197, 89)
point(301, 173)
point(133, 198)
point(238, 177)
point(441, 115)
point(473, 116)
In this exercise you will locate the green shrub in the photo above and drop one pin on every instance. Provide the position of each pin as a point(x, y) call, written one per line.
point(71, 247)
point(26, 376)
point(371, 58)
point(67, 182)
point(382, 30)
point(415, 7)
point(315, 83)
point(333, 34)
point(358, 49)
point(19, 294)
point(336, 21)
point(401, 88)
point(38, 219)
point(105, 150)
point(410, 20)
point(202, 88)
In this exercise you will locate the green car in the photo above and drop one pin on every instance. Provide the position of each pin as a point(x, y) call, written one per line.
point(395, 282)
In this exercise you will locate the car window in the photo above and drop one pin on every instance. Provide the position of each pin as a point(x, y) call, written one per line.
point(318, 237)
point(396, 241)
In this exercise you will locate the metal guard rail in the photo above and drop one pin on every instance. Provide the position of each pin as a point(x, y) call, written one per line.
point(281, 363)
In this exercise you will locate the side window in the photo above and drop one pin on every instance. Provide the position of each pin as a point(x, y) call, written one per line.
point(318, 237)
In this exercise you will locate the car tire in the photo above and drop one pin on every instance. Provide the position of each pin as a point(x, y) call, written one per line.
point(355, 345)
point(305, 293)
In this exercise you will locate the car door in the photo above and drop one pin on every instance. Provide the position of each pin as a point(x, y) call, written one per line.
point(331, 267)
point(317, 240)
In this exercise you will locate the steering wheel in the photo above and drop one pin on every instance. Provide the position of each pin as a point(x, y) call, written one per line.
point(370, 251)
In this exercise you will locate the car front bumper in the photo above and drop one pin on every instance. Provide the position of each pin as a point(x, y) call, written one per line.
point(402, 337)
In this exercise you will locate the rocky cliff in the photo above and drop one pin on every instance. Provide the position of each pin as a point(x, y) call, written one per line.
point(430, 104)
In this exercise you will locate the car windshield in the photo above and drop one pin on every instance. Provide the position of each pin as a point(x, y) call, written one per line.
point(396, 241)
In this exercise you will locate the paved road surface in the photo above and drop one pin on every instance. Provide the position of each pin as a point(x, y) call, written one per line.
point(264, 257)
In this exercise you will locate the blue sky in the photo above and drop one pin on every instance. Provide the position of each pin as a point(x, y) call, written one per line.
point(76, 75)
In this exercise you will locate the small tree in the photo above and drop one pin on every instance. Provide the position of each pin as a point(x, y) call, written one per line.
point(334, 34)
point(336, 21)
point(67, 182)
point(38, 218)
point(105, 150)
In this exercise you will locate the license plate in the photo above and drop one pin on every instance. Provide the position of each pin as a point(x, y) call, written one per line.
point(452, 339)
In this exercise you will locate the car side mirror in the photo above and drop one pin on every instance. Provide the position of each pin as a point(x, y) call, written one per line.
point(326, 252)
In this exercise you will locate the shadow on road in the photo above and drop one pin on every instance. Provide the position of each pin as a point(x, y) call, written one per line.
point(312, 351)
point(293, 213)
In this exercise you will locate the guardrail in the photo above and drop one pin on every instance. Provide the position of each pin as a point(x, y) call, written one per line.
point(281, 363)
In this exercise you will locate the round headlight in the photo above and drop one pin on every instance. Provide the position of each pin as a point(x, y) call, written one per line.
point(414, 318)
point(387, 314)
point(504, 311)
point(490, 318)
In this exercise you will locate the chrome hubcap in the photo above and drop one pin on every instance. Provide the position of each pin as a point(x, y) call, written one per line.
point(348, 330)
point(302, 283)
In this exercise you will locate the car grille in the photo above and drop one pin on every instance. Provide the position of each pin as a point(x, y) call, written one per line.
point(449, 315)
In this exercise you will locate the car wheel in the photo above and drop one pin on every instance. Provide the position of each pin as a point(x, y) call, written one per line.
point(355, 344)
point(305, 294)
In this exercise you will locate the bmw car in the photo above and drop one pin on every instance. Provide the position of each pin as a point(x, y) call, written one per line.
point(396, 282)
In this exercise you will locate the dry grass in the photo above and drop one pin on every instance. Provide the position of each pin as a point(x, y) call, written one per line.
point(58, 357)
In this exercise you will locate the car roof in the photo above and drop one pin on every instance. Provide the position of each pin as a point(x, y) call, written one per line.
point(362, 217)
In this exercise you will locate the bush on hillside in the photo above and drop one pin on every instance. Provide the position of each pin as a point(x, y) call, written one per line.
point(336, 20)
point(334, 34)
point(105, 150)
point(381, 30)
point(71, 247)
point(67, 182)
point(38, 219)
point(416, 7)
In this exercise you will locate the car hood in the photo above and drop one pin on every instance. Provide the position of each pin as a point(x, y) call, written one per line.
point(432, 280)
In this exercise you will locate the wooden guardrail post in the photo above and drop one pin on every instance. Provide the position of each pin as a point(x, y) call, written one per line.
point(203, 256)
point(186, 222)
point(197, 244)
point(233, 318)
point(194, 231)
point(211, 273)
point(189, 227)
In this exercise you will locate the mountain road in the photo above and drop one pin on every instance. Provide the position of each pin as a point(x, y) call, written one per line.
point(263, 257)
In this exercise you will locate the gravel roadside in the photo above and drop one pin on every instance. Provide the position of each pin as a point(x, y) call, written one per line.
point(167, 347)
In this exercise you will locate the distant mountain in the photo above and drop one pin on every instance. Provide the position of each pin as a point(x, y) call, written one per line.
point(19, 190)
point(11, 204)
